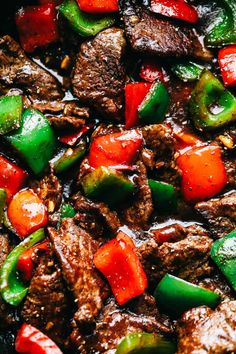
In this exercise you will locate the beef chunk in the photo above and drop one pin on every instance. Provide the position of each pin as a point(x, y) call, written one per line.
point(96, 218)
point(66, 122)
point(112, 325)
point(220, 214)
point(47, 305)
point(139, 213)
point(75, 249)
point(217, 283)
point(151, 35)
point(99, 74)
point(4, 247)
point(17, 71)
point(188, 258)
point(204, 331)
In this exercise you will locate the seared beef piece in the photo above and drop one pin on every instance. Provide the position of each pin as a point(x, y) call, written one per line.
point(220, 214)
point(49, 190)
point(151, 35)
point(230, 165)
point(99, 73)
point(66, 122)
point(105, 129)
point(5, 248)
point(17, 71)
point(66, 108)
point(96, 218)
point(204, 331)
point(75, 248)
point(112, 325)
point(47, 306)
point(219, 285)
point(188, 258)
point(138, 214)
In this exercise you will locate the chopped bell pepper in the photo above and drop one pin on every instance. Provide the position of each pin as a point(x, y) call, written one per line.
point(185, 140)
point(26, 213)
point(71, 139)
point(153, 108)
point(69, 158)
point(227, 62)
point(82, 23)
point(67, 211)
point(11, 108)
point(187, 71)
point(107, 185)
point(134, 96)
point(98, 6)
point(150, 71)
point(211, 105)
point(175, 8)
point(12, 177)
point(34, 140)
point(25, 262)
point(164, 195)
point(175, 296)
point(203, 172)
point(119, 263)
point(145, 343)
point(12, 288)
point(117, 150)
point(37, 26)
point(30, 340)
point(223, 253)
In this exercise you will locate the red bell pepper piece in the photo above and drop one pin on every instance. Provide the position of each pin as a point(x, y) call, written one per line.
point(37, 26)
point(12, 177)
point(175, 8)
point(227, 62)
point(119, 263)
point(186, 140)
point(26, 213)
point(98, 6)
point(150, 71)
point(203, 173)
point(25, 261)
point(30, 340)
point(116, 150)
point(71, 139)
point(54, 2)
point(134, 96)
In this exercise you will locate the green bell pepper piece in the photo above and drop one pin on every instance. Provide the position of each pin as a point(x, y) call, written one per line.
point(84, 24)
point(187, 71)
point(34, 140)
point(163, 194)
point(108, 186)
point(155, 105)
point(3, 198)
point(12, 289)
point(211, 104)
point(145, 343)
point(11, 108)
point(69, 159)
point(175, 296)
point(67, 211)
point(223, 27)
point(223, 253)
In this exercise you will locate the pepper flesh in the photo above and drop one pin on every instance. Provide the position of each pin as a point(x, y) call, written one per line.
point(227, 62)
point(69, 159)
point(12, 288)
point(163, 194)
point(150, 71)
point(98, 6)
point(175, 296)
point(175, 8)
point(84, 24)
point(223, 253)
point(211, 104)
point(187, 71)
point(11, 108)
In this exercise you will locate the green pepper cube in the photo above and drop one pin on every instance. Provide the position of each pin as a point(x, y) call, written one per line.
point(175, 296)
point(67, 211)
point(84, 24)
point(108, 186)
point(163, 194)
point(11, 108)
point(69, 159)
point(155, 105)
point(145, 343)
point(223, 253)
point(187, 71)
point(34, 140)
point(211, 105)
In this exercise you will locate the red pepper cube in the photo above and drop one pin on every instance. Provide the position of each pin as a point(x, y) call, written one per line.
point(117, 150)
point(98, 6)
point(150, 71)
point(227, 62)
point(12, 177)
point(26, 213)
point(37, 26)
point(176, 9)
point(134, 96)
point(203, 173)
point(119, 263)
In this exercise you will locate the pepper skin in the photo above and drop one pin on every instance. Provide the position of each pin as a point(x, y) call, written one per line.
point(227, 62)
point(98, 6)
point(11, 108)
